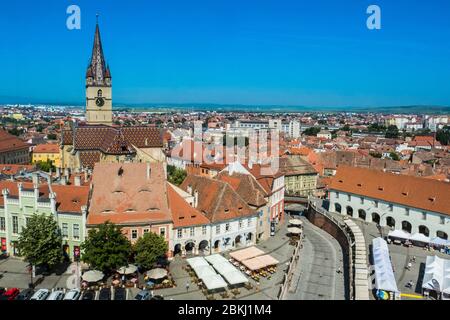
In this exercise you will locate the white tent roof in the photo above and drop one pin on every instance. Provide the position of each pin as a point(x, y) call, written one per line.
point(384, 275)
point(437, 274)
point(224, 267)
point(197, 262)
point(214, 282)
point(399, 234)
point(215, 259)
point(204, 271)
point(234, 277)
point(419, 237)
point(439, 241)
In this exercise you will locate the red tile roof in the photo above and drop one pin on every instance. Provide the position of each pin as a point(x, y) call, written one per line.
point(46, 148)
point(9, 142)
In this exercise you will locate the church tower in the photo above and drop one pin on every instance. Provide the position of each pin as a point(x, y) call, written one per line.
point(98, 86)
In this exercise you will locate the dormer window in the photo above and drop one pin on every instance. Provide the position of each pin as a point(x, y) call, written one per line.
point(153, 209)
point(404, 193)
point(432, 199)
point(380, 188)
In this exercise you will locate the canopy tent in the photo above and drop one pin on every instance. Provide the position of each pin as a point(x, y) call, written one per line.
point(419, 237)
point(246, 253)
point(399, 234)
point(204, 271)
point(296, 222)
point(214, 282)
point(260, 262)
point(384, 275)
point(234, 277)
point(224, 267)
point(215, 259)
point(93, 276)
point(294, 230)
point(439, 241)
point(437, 275)
point(157, 273)
point(131, 268)
point(197, 262)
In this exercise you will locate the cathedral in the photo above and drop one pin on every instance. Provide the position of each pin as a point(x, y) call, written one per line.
point(98, 139)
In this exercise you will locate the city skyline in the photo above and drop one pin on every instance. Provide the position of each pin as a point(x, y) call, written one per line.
point(216, 54)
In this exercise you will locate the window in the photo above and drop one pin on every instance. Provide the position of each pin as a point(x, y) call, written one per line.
point(391, 207)
point(99, 93)
point(217, 229)
point(204, 230)
point(180, 233)
point(249, 222)
point(407, 211)
point(442, 220)
point(162, 232)
point(146, 231)
point(134, 234)
point(362, 200)
point(376, 204)
point(76, 231)
point(227, 227)
point(15, 224)
point(240, 224)
point(65, 230)
point(424, 215)
point(191, 231)
point(349, 197)
point(2, 224)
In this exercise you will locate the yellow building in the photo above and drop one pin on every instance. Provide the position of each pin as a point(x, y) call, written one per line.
point(47, 151)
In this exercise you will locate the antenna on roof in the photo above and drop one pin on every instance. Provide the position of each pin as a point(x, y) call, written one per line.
point(96, 17)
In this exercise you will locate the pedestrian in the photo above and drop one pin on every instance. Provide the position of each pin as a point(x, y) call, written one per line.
point(187, 286)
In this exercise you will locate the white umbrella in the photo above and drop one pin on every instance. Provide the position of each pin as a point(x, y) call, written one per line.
point(93, 276)
point(127, 270)
point(296, 222)
point(157, 273)
point(294, 230)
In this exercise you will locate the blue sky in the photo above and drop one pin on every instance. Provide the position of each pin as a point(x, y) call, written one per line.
point(284, 52)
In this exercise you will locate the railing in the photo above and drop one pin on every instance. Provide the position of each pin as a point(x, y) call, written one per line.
point(287, 279)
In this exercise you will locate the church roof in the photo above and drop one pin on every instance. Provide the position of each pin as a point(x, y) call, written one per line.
point(97, 68)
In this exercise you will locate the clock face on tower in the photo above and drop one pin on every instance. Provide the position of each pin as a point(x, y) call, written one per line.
point(99, 102)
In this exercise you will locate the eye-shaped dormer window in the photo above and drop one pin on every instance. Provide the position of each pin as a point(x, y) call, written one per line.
point(99, 93)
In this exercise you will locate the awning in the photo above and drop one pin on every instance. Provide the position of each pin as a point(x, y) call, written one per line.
point(157, 273)
point(214, 282)
point(197, 261)
point(296, 222)
point(131, 268)
point(420, 238)
point(260, 262)
point(294, 230)
point(93, 276)
point(234, 277)
point(439, 241)
point(399, 234)
point(246, 253)
point(204, 271)
point(215, 258)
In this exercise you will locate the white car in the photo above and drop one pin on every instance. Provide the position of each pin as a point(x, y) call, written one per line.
point(73, 294)
point(56, 295)
point(41, 294)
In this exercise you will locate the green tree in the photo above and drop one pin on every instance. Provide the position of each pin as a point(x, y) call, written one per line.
point(312, 131)
point(443, 135)
point(175, 175)
point(106, 248)
point(376, 154)
point(40, 242)
point(148, 249)
point(392, 132)
point(394, 156)
point(51, 136)
point(45, 165)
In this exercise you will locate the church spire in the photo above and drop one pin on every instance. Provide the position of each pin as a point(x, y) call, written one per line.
point(97, 70)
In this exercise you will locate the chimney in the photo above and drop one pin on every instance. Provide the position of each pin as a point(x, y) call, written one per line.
point(149, 171)
point(78, 180)
point(195, 198)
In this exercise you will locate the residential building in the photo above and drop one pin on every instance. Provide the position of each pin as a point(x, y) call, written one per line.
point(413, 204)
point(13, 150)
point(300, 177)
point(47, 151)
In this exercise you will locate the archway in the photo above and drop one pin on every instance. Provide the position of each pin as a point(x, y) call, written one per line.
point(442, 235)
point(337, 208)
point(406, 226)
point(203, 246)
point(362, 214)
point(390, 222)
point(375, 218)
point(349, 211)
point(424, 230)
point(216, 245)
point(189, 247)
point(177, 249)
point(237, 241)
point(249, 237)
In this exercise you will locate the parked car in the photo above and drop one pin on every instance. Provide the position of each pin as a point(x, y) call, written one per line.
point(10, 294)
point(88, 295)
point(56, 295)
point(25, 294)
point(143, 295)
point(120, 294)
point(105, 294)
point(41, 294)
point(73, 294)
